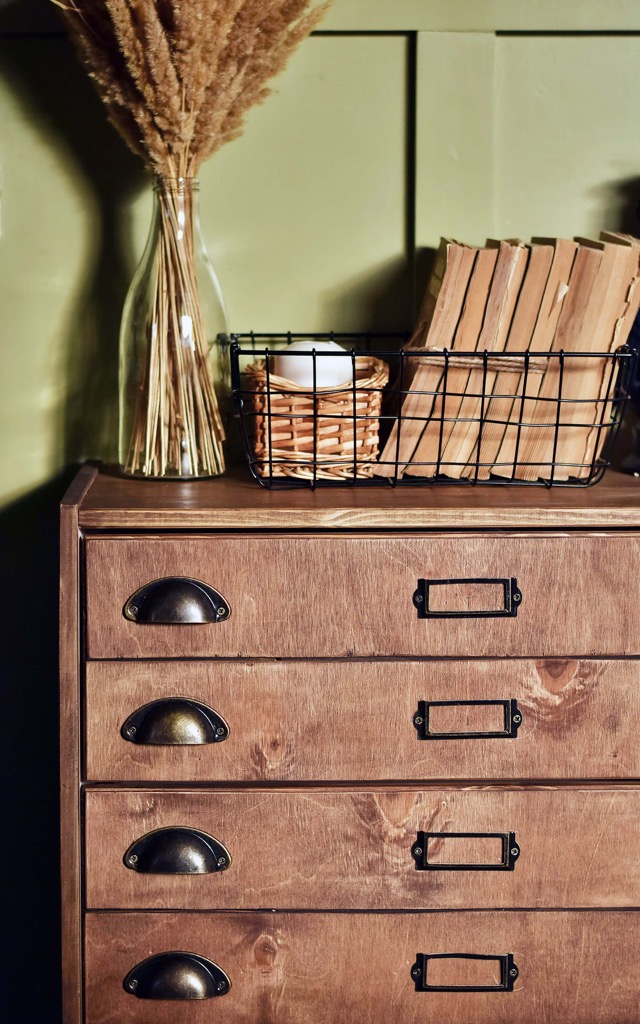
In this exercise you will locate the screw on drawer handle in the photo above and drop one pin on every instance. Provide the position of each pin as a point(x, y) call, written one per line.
point(424, 600)
point(423, 720)
point(508, 972)
point(510, 851)
point(177, 851)
point(175, 722)
point(176, 975)
point(176, 601)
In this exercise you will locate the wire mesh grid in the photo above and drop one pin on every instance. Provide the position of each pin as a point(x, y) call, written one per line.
point(415, 417)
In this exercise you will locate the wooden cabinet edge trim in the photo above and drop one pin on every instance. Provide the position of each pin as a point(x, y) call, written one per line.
point(596, 518)
point(402, 786)
point(70, 862)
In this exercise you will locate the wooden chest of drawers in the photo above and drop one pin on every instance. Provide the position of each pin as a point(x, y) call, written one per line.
point(352, 756)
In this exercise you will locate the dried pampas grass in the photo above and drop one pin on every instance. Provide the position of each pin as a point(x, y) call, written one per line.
point(177, 78)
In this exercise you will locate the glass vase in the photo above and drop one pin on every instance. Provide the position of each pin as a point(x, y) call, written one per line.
point(170, 365)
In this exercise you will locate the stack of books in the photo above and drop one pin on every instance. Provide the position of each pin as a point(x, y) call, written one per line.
point(531, 397)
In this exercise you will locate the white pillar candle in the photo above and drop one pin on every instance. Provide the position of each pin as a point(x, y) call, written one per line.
point(334, 366)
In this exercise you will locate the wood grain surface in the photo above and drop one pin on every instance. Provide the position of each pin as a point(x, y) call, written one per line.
point(330, 850)
point(574, 968)
point(70, 747)
point(318, 596)
point(238, 503)
point(304, 721)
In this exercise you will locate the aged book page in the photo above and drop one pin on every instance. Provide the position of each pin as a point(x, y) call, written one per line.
point(436, 434)
point(516, 438)
point(500, 409)
point(621, 330)
point(503, 296)
point(437, 324)
point(597, 292)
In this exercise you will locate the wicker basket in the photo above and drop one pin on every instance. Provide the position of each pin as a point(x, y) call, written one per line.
point(285, 443)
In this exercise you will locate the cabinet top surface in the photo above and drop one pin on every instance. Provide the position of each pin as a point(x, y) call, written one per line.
point(106, 501)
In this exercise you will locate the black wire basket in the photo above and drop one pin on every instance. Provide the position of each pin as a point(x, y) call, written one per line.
point(427, 417)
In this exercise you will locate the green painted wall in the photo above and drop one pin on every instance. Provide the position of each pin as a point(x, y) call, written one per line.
point(450, 121)
point(374, 146)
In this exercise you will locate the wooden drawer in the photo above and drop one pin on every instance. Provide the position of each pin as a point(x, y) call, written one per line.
point(573, 968)
point(313, 721)
point(344, 596)
point(335, 849)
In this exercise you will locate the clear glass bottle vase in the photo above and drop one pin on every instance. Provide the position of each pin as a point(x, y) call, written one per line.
point(170, 421)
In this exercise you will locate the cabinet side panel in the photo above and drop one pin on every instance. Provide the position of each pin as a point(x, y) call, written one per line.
point(72, 995)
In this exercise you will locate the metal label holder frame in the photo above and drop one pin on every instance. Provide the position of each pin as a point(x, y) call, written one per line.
point(512, 599)
point(512, 720)
point(510, 851)
point(508, 972)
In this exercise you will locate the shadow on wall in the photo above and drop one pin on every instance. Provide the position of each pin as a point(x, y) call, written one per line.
point(30, 948)
point(379, 300)
point(55, 94)
point(29, 16)
point(620, 202)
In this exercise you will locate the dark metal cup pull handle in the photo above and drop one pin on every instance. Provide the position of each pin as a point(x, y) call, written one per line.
point(176, 975)
point(510, 851)
point(176, 601)
point(177, 851)
point(422, 720)
point(423, 599)
point(508, 972)
point(175, 722)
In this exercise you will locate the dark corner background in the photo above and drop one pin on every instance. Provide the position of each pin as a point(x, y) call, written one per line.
point(41, 68)
point(29, 777)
